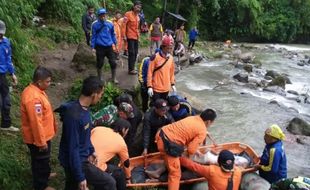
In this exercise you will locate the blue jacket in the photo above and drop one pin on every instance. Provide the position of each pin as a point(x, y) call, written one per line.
point(143, 69)
point(103, 34)
point(193, 34)
point(75, 145)
point(184, 110)
point(273, 162)
point(6, 57)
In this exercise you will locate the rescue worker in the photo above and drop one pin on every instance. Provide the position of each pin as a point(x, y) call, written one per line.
point(171, 139)
point(109, 142)
point(179, 109)
point(154, 120)
point(6, 66)
point(102, 42)
point(109, 114)
point(117, 23)
point(160, 76)
point(87, 20)
point(76, 153)
point(273, 160)
point(38, 126)
point(132, 35)
point(156, 34)
point(224, 176)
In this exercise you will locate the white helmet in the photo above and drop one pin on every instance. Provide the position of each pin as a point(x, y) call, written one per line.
point(2, 27)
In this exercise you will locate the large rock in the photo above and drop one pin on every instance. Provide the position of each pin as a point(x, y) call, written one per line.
point(252, 181)
point(242, 77)
point(272, 74)
point(248, 68)
point(83, 56)
point(298, 126)
point(275, 89)
point(278, 81)
point(246, 57)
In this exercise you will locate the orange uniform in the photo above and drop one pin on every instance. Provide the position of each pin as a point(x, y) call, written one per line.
point(107, 144)
point(189, 132)
point(118, 34)
point(38, 121)
point(122, 23)
point(132, 21)
point(162, 79)
point(217, 179)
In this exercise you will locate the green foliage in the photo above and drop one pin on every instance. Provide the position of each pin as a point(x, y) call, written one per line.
point(110, 92)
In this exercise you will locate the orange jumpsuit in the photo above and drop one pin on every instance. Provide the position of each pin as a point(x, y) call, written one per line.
point(118, 34)
point(122, 23)
point(38, 121)
point(163, 78)
point(189, 132)
point(216, 177)
point(132, 25)
point(107, 144)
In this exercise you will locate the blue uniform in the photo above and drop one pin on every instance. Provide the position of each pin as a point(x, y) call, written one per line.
point(193, 34)
point(75, 145)
point(6, 57)
point(273, 162)
point(103, 34)
point(184, 110)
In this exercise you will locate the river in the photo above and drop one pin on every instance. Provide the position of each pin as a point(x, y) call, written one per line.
point(245, 113)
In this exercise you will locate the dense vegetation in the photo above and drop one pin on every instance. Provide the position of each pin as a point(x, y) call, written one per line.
point(248, 20)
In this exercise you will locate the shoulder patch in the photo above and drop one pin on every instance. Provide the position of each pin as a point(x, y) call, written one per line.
point(38, 108)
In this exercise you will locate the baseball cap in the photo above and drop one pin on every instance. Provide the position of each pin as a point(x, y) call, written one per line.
point(102, 11)
point(127, 108)
point(161, 104)
point(226, 160)
point(173, 100)
point(2, 27)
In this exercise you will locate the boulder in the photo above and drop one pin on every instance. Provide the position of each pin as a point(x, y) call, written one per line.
point(257, 63)
point(255, 80)
point(252, 181)
point(225, 56)
point(239, 65)
point(298, 126)
point(307, 57)
point(248, 68)
point(293, 92)
point(242, 77)
point(309, 61)
point(268, 78)
point(83, 56)
point(287, 80)
point(236, 53)
point(301, 64)
point(275, 89)
point(200, 186)
point(246, 57)
point(278, 81)
point(272, 74)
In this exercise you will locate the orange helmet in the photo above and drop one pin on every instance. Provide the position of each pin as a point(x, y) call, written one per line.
point(166, 41)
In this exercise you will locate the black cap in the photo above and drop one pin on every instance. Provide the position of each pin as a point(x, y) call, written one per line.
point(226, 159)
point(137, 3)
point(173, 100)
point(161, 104)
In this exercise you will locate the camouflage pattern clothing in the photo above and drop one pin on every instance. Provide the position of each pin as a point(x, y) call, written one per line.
point(297, 183)
point(106, 116)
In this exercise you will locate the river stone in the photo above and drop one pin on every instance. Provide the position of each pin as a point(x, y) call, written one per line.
point(293, 92)
point(268, 78)
point(298, 126)
point(248, 68)
point(242, 77)
point(309, 61)
point(272, 74)
point(303, 140)
point(275, 89)
point(307, 57)
point(236, 53)
point(252, 181)
point(239, 65)
point(301, 64)
point(200, 186)
point(246, 57)
point(83, 55)
point(278, 81)
point(287, 80)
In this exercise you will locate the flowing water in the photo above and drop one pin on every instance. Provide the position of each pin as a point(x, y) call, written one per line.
point(244, 113)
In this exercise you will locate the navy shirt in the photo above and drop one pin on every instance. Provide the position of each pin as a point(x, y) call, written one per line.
point(75, 145)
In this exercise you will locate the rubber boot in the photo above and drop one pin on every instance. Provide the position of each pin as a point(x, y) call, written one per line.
point(114, 76)
point(99, 72)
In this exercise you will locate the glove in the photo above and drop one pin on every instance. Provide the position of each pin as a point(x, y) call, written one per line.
point(150, 92)
point(174, 89)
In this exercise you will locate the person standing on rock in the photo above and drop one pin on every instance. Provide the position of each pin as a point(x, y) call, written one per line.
point(102, 42)
point(180, 35)
point(132, 35)
point(160, 76)
point(88, 18)
point(38, 126)
point(156, 34)
point(192, 38)
point(6, 66)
